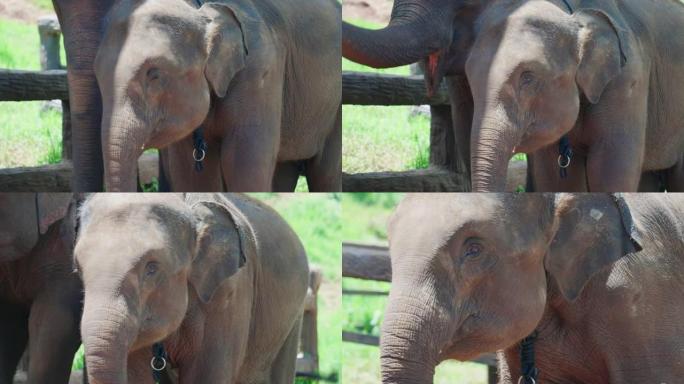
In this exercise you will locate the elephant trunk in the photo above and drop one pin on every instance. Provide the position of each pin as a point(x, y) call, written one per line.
point(412, 334)
point(123, 139)
point(416, 30)
point(108, 331)
point(493, 141)
point(81, 23)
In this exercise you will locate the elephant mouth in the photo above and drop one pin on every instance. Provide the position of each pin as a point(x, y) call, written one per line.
point(434, 72)
point(469, 341)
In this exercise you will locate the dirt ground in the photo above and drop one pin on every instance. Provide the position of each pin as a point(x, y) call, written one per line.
point(21, 10)
point(377, 11)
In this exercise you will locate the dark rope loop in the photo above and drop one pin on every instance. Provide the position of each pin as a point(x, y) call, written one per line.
point(158, 362)
point(199, 151)
point(528, 370)
point(564, 156)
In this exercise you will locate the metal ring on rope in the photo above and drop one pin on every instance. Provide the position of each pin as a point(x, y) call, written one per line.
point(155, 359)
point(194, 154)
point(522, 377)
point(565, 164)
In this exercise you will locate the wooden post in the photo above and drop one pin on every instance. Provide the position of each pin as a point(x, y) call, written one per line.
point(492, 375)
point(66, 131)
point(50, 35)
point(462, 121)
point(309, 336)
point(50, 32)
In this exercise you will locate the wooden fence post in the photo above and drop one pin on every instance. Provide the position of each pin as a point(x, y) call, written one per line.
point(309, 336)
point(50, 34)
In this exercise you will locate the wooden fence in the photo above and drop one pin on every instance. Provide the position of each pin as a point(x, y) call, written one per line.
point(373, 263)
point(448, 168)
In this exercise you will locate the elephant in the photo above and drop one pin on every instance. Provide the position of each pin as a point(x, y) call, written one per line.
point(596, 277)
point(438, 34)
point(588, 80)
point(247, 91)
point(215, 281)
point(40, 296)
point(81, 22)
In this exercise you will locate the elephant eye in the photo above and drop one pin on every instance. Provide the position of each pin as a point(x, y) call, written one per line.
point(153, 74)
point(151, 268)
point(472, 250)
point(527, 78)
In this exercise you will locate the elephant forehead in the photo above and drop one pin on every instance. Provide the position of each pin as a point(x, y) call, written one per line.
point(434, 218)
point(132, 208)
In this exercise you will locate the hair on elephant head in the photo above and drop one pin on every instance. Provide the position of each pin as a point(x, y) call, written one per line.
point(476, 275)
point(157, 67)
point(142, 259)
point(531, 66)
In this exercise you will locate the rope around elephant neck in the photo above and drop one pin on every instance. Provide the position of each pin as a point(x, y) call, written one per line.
point(199, 151)
point(158, 362)
point(564, 156)
point(528, 371)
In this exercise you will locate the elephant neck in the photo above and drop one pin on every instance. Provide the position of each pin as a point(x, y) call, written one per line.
point(565, 350)
point(184, 344)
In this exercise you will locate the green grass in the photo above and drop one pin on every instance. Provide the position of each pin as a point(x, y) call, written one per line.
point(364, 218)
point(31, 135)
point(377, 138)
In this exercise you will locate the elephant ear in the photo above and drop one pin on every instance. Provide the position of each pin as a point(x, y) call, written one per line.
point(52, 207)
point(226, 39)
point(222, 242)
point(602, 52)
point(591, 232)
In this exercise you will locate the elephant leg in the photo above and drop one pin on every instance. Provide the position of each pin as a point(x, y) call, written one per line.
point(179, 168)
point(675, 177)
point(52, 347)
point(545, 172)
point(14, 336)
point(286, 176)
point(651, 182)
point(248, 163)
point(611, 169)
point(283, 369)
point(324, 171)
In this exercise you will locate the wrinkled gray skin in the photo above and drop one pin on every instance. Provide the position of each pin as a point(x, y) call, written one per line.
point(436, 33)
point(40, 296)
point(81, 22)
point(475, 273)
point(220, 280)
point(261, 77)
point(608, 75)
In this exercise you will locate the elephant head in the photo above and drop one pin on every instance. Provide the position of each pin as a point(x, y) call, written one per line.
point(27, 216)
point(158, 66)
point(472, 273)
point(532, 65)
point(142, 259)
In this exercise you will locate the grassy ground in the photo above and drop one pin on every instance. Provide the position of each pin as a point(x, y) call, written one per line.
point(364, 218)
point(378, 138)
point(30, 134)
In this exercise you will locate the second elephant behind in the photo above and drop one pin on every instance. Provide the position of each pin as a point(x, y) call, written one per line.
point(250, 88)
point(218, 280)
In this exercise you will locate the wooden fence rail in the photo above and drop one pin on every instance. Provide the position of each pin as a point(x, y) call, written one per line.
point(370, 262)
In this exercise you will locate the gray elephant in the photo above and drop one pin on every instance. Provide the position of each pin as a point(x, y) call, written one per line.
point(40, 296)
point(217, 282)
point(598, 277)
point(247, 91)
point(597, 82)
